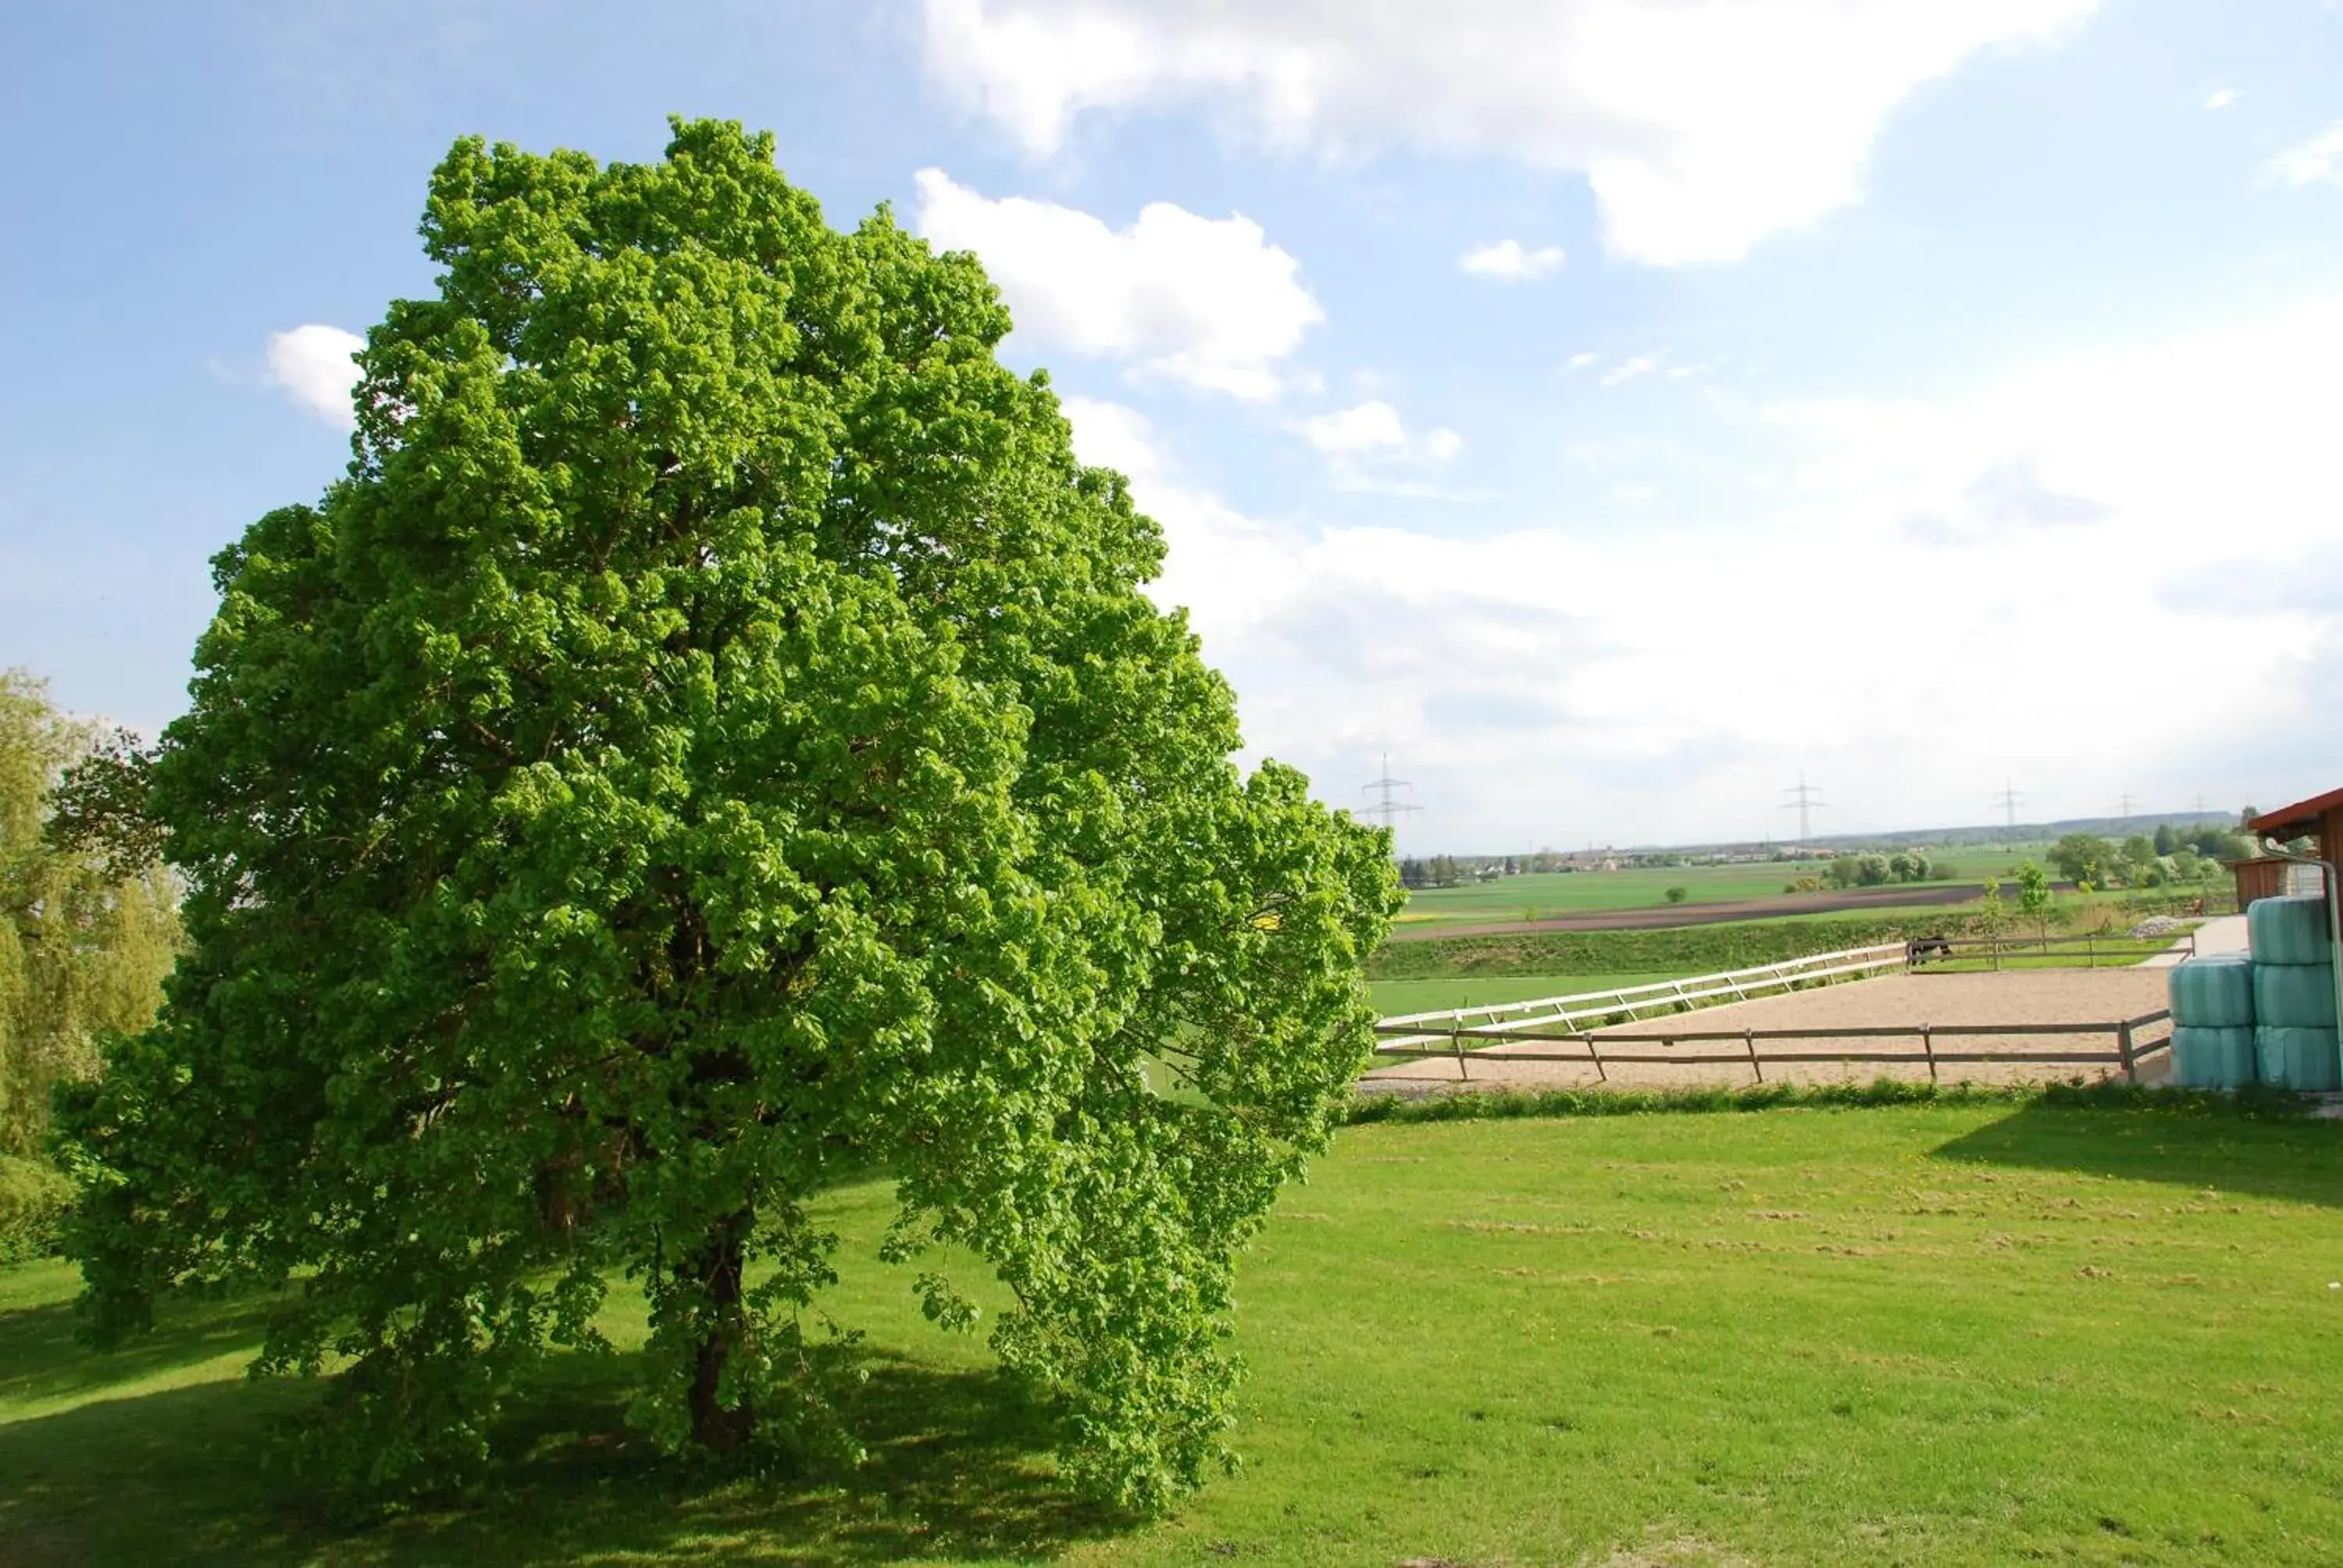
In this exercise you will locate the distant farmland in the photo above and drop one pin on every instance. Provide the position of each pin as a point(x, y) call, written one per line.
point(1559, 895)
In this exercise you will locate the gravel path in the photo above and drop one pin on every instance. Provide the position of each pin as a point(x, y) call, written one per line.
point(1894, 1001)
point(2222, 934)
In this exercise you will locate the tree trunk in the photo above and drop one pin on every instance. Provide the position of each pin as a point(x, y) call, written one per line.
point(716, 1271)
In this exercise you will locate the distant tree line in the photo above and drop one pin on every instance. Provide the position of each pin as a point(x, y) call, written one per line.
point(1873, 870)
point(2169, 856)
point(89, 926)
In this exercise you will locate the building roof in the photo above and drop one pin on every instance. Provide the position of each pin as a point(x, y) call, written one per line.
point(2301, 814)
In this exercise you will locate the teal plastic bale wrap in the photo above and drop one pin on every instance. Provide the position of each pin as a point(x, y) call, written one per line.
point(2288, 930)
point(2216, 991)
point(2294, 996)
point(2213, 1058)
point(2297, 1057)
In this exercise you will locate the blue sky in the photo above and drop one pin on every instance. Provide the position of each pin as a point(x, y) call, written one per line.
point(1608, 408)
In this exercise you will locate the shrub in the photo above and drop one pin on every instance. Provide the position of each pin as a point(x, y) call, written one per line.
point(34, 1202)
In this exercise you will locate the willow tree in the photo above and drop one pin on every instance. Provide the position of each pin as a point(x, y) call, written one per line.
point(713, 740)
point(87, 935)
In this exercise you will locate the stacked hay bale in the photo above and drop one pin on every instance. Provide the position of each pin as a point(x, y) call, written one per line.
point(2294, 993)
point(2213, 1021)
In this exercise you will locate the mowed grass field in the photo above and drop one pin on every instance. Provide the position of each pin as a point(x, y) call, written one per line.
point(1945, 1333)
point(1540, 894)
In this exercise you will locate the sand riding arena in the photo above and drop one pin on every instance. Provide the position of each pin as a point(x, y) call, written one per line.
point(1977, 1028)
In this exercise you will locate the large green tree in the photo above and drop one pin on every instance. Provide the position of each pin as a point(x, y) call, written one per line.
point(714, 741)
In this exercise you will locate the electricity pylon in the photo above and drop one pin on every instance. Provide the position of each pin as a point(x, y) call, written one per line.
point(1804, 799)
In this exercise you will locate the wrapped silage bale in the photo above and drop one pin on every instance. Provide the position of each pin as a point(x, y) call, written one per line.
point(2216, 991)
point(2212, 1057)
point(2294, 996)
point(2290, 931)
point(2302, 1058)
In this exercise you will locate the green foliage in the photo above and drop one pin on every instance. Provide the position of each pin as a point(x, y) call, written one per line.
point(1439, 871)
point(1992, 914)
point(1879, 871)
point(2087, 858)
point(1506, 1105)
point(2256, 1101)
point(712, 741)
point(2033, 892)
point(1677, 895)
point(86, 930)
point(34, 1202)
point(2220, 844)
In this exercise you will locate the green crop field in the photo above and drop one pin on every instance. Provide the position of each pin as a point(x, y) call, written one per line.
point(1540, 894)
point(1972, 1332)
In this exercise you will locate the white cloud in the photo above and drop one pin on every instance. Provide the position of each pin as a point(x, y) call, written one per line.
point(1111, 436)
point(2318, 161)
point(1207, 301)
point(1369, 427)
point(1508, 260)
point(1703, 128)
point(1546, 679)
point(312, 364)
point(1373, 433)
point(1578, 362)
point(2223, 98)
point(1628, 369)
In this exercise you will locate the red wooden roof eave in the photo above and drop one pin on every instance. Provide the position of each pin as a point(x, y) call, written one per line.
point(2301, 814)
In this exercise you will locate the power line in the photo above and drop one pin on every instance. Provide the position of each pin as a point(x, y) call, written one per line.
point(1390, 806)
point(2007, 800)
point(1805, 800)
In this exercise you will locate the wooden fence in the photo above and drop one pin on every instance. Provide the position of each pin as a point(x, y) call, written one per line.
point(2089, 949)
point(1601, 1052)
point(1503, 1020)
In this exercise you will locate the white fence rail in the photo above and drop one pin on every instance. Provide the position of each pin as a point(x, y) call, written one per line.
point(1409, 1034)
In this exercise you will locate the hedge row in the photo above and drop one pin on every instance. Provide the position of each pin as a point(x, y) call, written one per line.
point(2255, 1102)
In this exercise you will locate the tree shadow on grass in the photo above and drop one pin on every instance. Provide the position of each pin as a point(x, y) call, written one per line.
point(957, 1467)
point(2190, 1139)
point(40, 1361)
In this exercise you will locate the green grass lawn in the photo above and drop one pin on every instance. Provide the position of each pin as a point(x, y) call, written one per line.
point(1394, 997)
point(1933, 1334)
point(2119, 952)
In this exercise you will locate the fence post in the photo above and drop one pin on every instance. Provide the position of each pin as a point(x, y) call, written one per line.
point(1994, 939)
point(2123, 1050)
point(1749, 1039)
point(2090, 950)
point(1595, 1057)
point(1928, 1045)
point(1456, 1044)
